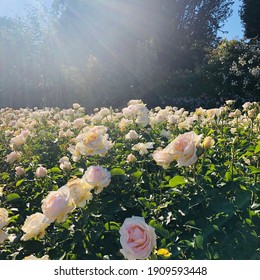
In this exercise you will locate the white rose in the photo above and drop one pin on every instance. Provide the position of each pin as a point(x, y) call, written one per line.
point(142, 147)
point(34, 226)
point(131, 135)
point(137, 238)
point(98, 177)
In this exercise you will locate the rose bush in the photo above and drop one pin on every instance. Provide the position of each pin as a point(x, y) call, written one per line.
point(134, 183)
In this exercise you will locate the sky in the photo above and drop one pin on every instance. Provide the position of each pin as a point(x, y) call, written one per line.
point(233, 25)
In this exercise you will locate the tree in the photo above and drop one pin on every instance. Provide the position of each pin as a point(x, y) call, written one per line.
point(249, 13)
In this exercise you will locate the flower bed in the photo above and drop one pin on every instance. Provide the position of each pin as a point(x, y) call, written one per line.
point(130, 184)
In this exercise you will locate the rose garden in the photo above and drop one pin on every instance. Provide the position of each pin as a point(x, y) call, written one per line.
point(135, 183)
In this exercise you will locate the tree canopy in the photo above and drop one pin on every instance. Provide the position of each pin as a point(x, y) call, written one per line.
point(250, 12)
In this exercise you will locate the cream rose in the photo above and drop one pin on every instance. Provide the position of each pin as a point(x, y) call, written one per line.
point(33, 258)
point(98, 177)
point(131, 135)
point(57, 205)
point(184, 148)
point(208, 142)
point(34, 226)
point(4, 220)
point(137, 238)
point(131, 158)
point(80, 191)
point(3, 236)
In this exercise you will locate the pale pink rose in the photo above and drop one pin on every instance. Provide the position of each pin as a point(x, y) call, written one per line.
point(41, 172)
point(78, 122)
point(163, 158)
point(184, 148)
point(98, 177)
point(25, 133)
point(57, 205)
point(137, 238)
point(12, 157)
point(19, 170)
point(34, 226)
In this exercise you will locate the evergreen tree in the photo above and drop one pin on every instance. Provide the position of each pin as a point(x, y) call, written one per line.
point(250, 15)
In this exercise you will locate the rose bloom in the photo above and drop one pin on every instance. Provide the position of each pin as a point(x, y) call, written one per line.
point(12, 157)
point(79, 191)
point(98, 177)
point(34, 226)
point(41, 172)
point(142, 148)
point(17, 141)
point(3, 236)
point(66, 166)
point(184, 148)
point(94, 141)
point(4, 220)
point(208, 142)
point(19, 171)
point(163, 158)
point(57, 205)
point(78, 122)
point(131, 158)
point(137, 238)
point(131, 135)
point(33, 258)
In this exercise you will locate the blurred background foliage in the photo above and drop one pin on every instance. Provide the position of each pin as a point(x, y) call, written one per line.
point(103, 53)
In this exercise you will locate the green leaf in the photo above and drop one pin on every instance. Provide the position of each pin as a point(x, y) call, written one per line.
point(55, 169)
point(159, 229)
point(257, 148)
point(117, 172)
point(221, 205)
point(18, 183)
point(177, 180)
point(137, 174)
point(12, 196)
point(199, 242)
point(112, 226)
